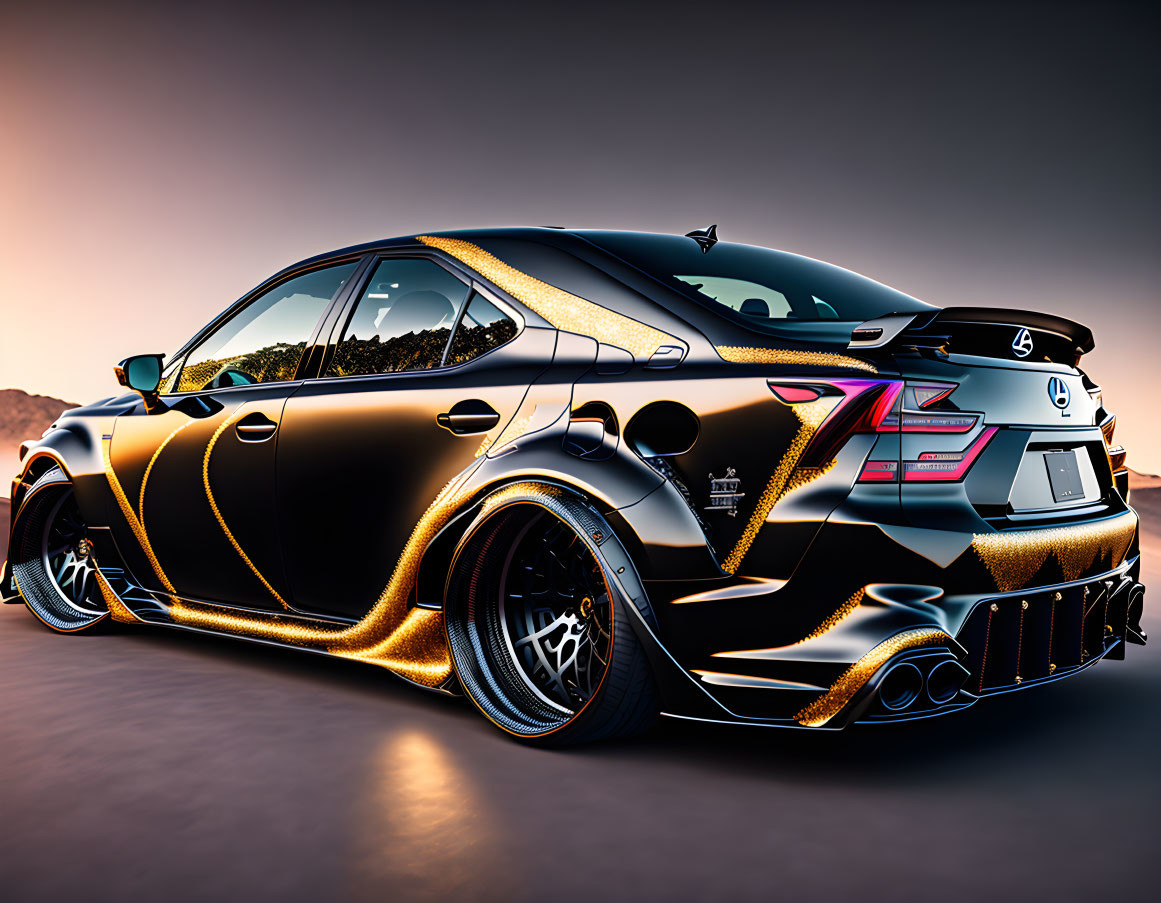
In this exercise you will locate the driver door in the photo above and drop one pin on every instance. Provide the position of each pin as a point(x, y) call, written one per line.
point(200, 476)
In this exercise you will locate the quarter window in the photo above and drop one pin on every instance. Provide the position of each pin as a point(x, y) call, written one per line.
point(483, 327)
point(403, 320)
point(265, 340)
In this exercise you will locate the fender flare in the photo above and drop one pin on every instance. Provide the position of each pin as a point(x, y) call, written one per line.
point(679, 690)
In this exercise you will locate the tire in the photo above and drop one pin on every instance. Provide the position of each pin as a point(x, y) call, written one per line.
point(51, 558)
point(538, 628)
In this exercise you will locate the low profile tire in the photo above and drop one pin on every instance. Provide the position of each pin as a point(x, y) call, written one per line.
point(51, 558)
point(538, 629)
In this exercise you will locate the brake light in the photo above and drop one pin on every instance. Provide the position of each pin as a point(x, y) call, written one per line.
point(885, 406)
point(879, 472)
point(930, 466)
point(947, 465)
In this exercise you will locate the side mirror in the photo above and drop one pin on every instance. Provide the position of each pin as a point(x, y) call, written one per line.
point(142, 374)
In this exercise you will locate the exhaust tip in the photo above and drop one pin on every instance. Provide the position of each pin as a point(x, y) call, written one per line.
point(900, 686)
point(945, 681)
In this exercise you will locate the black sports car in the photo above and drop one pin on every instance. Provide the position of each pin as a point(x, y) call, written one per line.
point(588, 477)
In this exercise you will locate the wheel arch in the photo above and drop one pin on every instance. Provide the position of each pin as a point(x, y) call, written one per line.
point(439, 556)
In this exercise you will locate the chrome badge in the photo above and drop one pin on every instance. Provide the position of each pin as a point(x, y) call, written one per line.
point(724, 493)
point(1058, 392)
point(1022, 344)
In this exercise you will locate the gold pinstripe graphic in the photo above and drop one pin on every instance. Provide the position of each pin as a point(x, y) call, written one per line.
point(222, 427)
point(131, 518)
point(1013, 558)
point(560, 308)
point(149, 468)
point(411, 643)
point(810, 417)
point(740, 354)
point(856, 676)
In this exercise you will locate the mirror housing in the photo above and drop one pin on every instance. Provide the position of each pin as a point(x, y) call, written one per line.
point(142, 374)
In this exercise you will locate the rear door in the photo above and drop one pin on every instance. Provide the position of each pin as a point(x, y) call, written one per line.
point(424, 371)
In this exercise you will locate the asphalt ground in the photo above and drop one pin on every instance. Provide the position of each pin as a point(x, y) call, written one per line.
point(147, 764)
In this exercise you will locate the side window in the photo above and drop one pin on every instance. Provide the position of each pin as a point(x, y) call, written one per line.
point(265, 340)
point(483, 328)
point(403, 320)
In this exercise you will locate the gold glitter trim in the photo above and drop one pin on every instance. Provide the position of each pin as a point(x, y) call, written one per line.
point(1014, 558)
point(410, 643)
point(217, 512)
point(117, 609)
point(740, 354)
point(149, 468)
point(560, 308)
point(135, 524)
point(514, 430)
point(810, 417)
point(830, 623)
point(856, 676)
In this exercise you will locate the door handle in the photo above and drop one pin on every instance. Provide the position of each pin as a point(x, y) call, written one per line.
point(467, 417)
point(256, 427)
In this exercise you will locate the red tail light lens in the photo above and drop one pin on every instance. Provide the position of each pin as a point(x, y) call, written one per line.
point(947, 465)
point(880, 406)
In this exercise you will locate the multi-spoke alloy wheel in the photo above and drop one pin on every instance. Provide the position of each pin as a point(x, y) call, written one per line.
point(51, 557)
point(537, 628)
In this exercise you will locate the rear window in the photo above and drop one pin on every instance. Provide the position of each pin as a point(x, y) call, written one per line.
point(769, 291)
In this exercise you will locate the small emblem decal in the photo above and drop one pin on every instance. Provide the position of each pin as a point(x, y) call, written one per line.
point(1022, 344)
point(724, 493)
point(1058, 392)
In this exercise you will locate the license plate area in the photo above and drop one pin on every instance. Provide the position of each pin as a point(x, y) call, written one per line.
point(1064, 476)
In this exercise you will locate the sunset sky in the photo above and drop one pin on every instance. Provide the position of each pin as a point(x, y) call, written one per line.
point(156, 164)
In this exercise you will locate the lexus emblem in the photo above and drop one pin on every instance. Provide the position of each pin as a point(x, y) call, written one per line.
point(1058, 392)
point(1022, 344)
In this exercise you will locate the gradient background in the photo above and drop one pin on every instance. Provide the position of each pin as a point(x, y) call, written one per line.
point(157, 161)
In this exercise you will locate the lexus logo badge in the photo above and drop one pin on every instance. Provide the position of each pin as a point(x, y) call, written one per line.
point(1058, 392)
point(1022, 344)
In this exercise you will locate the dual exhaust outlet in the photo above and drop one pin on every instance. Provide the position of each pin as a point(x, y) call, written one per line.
point(921, 683)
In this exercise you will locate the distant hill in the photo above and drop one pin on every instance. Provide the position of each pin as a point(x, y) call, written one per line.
point(23, 416)
point(1143, 480)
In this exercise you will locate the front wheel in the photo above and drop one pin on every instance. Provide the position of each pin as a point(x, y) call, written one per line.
point(537, 627)
point(51, 557)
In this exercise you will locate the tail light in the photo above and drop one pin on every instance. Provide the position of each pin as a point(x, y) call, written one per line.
point(886, 406)
point(947, 465)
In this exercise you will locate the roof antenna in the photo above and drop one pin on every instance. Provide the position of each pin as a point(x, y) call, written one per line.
point(707, 238)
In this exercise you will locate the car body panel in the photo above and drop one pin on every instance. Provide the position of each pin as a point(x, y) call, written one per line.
point(771, 587)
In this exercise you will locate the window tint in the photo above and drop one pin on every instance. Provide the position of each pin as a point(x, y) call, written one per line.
point(264, 341)
point(403, 320)
point(483, 328)
point(748, 298)
point(770, 291)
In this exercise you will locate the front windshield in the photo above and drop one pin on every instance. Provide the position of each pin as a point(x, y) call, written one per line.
point(771, 291)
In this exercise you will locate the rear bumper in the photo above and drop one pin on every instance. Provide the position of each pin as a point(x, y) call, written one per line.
point(931, 656)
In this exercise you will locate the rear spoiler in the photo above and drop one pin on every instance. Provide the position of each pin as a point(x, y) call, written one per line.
point(986, 331)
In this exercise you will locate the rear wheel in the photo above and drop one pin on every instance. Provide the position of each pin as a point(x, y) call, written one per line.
point(538, 630)
point(51, 557)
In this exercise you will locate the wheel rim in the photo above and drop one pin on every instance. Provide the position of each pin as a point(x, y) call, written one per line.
point(555, 615)
point(530, 619)
point(66, 556)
